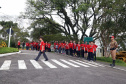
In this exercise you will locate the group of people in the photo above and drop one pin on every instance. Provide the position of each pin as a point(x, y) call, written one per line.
point(34, 45)
point(72, 48)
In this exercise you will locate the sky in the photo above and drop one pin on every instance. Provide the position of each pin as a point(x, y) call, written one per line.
point(12, 7)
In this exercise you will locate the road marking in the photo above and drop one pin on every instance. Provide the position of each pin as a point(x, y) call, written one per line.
point(96, 64)
point(59, 63)
point(36, 64)
point(49, 64)
point(78, 63)
point(87, 63)
point(21, 64)
point(69, 63)
point(6, 65)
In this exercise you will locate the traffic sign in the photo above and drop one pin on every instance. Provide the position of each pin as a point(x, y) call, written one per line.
point(8, 30)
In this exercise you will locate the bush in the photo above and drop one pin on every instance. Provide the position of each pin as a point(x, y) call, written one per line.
point(8, 50)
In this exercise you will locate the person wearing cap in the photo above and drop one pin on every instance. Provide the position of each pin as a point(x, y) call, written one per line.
point(113, 46)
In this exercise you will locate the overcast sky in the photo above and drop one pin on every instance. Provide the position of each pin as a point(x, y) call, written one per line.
point(12, 7)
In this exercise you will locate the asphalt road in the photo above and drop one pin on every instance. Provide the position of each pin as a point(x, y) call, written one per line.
point(60, 69)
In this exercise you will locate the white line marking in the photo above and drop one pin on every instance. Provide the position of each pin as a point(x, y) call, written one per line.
point(59, 63)
point(78, 63)
point(21, 64)
point(87, 63)
point(96, 64)
point(69, 63)
point(6, 65)
point(49, 64)
point(35, 64)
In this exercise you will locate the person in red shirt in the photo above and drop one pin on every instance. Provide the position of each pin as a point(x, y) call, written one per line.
point(34, 45)
point(71, 48)
point(31, 44)
point(74, 48)
point(91, 51)
point(55, 46)
point(85, 49)
point(78, 48)
point(63, 47)
point(59, 47)
point(18, 45)
point(49, 47)
point(46, 46)
point(95, 46)
point(67, 48)
point(82, 49)
point(27, 46)
point(42, 50)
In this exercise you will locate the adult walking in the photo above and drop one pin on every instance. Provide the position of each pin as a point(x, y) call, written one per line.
point(23, 45)
point(42, 50)
point(113, 46)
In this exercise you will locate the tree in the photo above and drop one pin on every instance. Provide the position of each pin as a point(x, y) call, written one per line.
point(78, 19)
point(17, 35)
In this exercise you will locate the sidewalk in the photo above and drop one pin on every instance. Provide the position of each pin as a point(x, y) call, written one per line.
point(8, 54)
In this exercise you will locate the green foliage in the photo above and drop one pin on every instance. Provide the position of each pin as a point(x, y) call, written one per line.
point(55, 37)
point(109, 60)
point(8, 50)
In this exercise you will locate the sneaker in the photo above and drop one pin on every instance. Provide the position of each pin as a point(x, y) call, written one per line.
point(46, 60)
point(112, 65)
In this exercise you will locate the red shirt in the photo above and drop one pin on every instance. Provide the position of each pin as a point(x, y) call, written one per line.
point(78, 47)
point(67, 46)
point(63, 45)
point(27, 44)
point(91, 48)
point(31, 44)
point(18, 42)
point(74, 45)
point(86, 47)
point(71, 45)
point(82, 46)
point(34, 44)
point(42, 44)
point(95, 46)
point(55, 45)
point(49, 45)
point(37, 43)
point(59, 45)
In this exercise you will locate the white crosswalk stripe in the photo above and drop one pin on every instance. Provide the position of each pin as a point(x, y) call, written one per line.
point(52, 63)
point(21, 64)
point(59, 63)
point(87, 63)
point(78, 63)
point(36, 64)
point(69, 63)
point(6, 65)
point(49, 64)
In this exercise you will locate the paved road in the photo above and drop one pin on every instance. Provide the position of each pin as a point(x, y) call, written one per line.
point(60, 69)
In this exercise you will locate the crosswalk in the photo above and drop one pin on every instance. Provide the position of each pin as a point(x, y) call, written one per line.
point(53, 63)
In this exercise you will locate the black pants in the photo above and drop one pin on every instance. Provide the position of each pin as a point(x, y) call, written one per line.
point(94, 55)
point(39, 54)
point(90, 56)
point(67, 51)
point(78, 53)
point(27, 47)
point(71, 51)
point(18, 47)
point(82, 53)
point(49, 50)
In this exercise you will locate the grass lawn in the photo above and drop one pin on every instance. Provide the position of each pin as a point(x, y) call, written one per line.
point(109, 60)
point(8, 50)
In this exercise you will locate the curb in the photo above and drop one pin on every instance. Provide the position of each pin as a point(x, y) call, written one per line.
point(7, 54)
